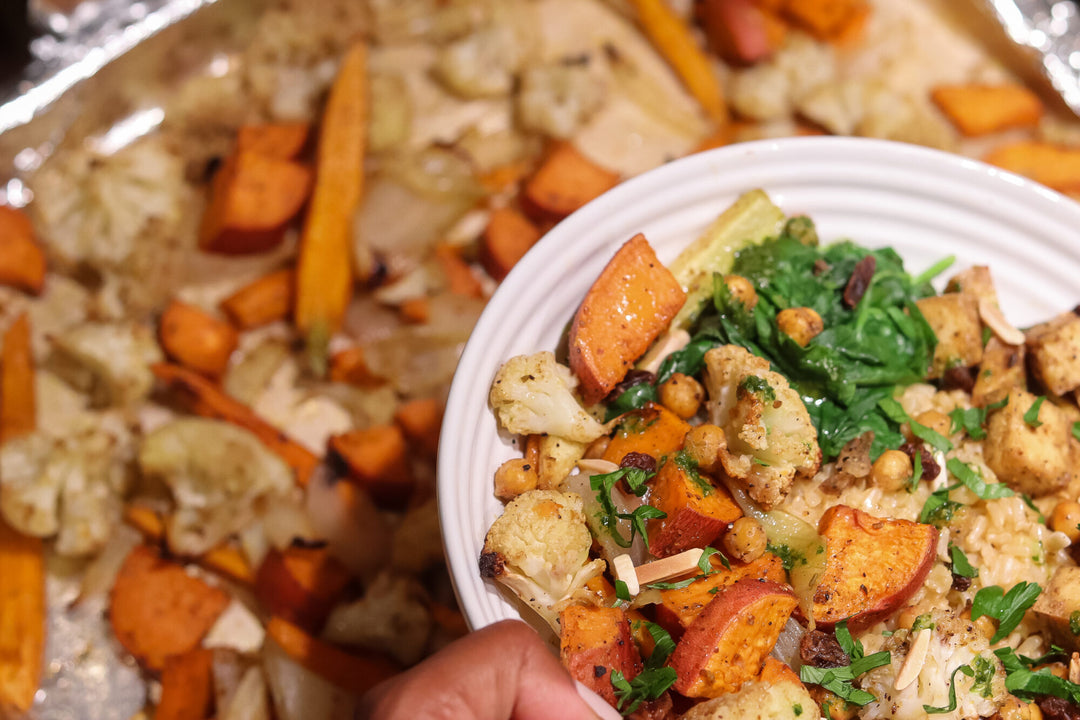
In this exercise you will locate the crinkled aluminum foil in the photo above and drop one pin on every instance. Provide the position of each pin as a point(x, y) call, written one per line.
point(1052, 30)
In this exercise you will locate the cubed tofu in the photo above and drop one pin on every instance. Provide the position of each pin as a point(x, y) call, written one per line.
point(1059, 603)
point(974, 281)
point(1001, 372)
point(1055, 353)
point(955, 320)
point(1031, 460)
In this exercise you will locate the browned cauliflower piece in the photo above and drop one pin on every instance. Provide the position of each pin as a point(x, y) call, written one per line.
point(539, 548)
point(769, 435)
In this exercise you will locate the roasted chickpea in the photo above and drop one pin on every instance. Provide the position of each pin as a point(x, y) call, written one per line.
point(742, 290)
point(1065, 517)
point(682, 395)
point(597, 448)
point(703, 443)
point(802, 324)
point(515, 477)
point(891, 471)
point(935, 420)
point(1016, 709)
point(746, 540)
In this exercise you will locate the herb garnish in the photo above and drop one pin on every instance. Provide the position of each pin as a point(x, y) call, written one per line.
point(760, 387)
point(654, 679)
point(916, 472)
point(1007, 608)
point(1031, 504)
point(1074, 622)
point(972, 420)
point(1031, 417)
point(895, 412)
point(689, 466)
point(923, 622)
point(789, 556)
point(984, 676)
point(960, 564)
point(838, 680)
point(1076, 430)
point(609, 515)
point(1026, 683)
point(973, 479)
point(931, 710)
point(938, 509)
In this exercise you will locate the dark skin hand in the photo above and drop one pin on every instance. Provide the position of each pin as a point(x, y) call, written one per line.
point(502, 672)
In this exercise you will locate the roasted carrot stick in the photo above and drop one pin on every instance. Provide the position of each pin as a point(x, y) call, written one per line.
point(187, 686)
point(22, 617)
point(18, 406)
point(261, 302)
point(354, 673)
point(283, 141)
point(982, 109)
point(324, 269)
point(197, 340)
point(673, 40)
point(204, 398)
point(222, 559)
point(22, 261)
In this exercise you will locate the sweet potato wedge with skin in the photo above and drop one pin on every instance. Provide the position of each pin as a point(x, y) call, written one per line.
point(983, 109)
point(282, 141)
point(873, 565)
point(680, 607)
point(22, 617)
point(197, 340)
point(22, 261)
point(252, 198)
point(593, 642)
point(377, 459)
point(697, 508)
point(507, 238)
point(566, 181)
point(157, 610)
point(776, 671)
point(301, 585)
point(263, 301)
point(740, 31)
point(187, 686)
point(653, 430)
point(727, 644)
point(625, 310)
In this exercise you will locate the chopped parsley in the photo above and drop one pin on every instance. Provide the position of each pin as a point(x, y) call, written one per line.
point(705, 565)
point(654, 679)
point(973, 479)
point(622, 591)
point(1074, 622)
point(1031, 417)
point(1026, 683)
point(1076, 430)
point(1007, 608)
point(609, 515)
point(634, 397)
point(895, 412)
point(789, 556)
point(939, 509)
point(960, 564)
point(1031, 504)
point(984, 676)
point(839, 680)
point(760, 387)
point(916, 472)
point(689, 466)
point(987, 333)
point(931, 710)
point(923, 622)
point(972, 420)
point(797, 709)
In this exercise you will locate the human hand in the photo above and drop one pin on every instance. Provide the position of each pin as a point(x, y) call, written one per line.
point(502, 672)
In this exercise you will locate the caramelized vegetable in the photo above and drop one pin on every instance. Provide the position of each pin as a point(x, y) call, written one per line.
point(300, 585)
point(595, 641)
point(22, 261)
point(349, 366)
point(252, 198)
point(1055, 166)
point(354, 673)
point(983, 109)
point(204, 398)
point(653, 430)
point(263, 301)
point(507, 238)
point(679, 607)
point(22, 617)
point(282, 141)
point(459, 277)
point(197, 340)
point(18, 406)
point(187, 686)
point(421, 421)
point(377, 460)
point(223, 559)
point(566, 181)
point(324, 274)
point(158, 610)
point(697, 509)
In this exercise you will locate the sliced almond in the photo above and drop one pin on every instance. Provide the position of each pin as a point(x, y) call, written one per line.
point(916, 658)
point(670, 342)
point(1074, 668)
point(623, 566)
point(596, 466)
point(1006, 331)
point(669, 567)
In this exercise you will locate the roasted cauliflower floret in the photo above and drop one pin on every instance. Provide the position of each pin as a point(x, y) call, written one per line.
point(769, 435)
point(392, 617)
point(539, 548)
point(484, 63)
point(534, 395)
point(218, 474)
point(557, 99)
point(110, 361)
point(954, 642)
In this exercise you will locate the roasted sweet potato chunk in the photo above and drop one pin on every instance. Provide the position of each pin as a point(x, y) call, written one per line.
point(697, 508)
point(727, 644)
point(625, 310)
point(873, 565)
point(566, 181)
point(301, 585)
point(377, 459)
point(593, 642)
point(680, 607)
point(653, 430)
point(982, 109)
point(187, 686)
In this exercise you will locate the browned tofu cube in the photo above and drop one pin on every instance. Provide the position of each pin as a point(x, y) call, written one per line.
point(1055, 353)
point(974, 281)
point(1058, 604)
point(1001, 372)
point(955, 320)
point(1032, 460)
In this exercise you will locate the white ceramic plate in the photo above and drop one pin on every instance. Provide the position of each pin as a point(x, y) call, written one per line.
point(926, 204)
